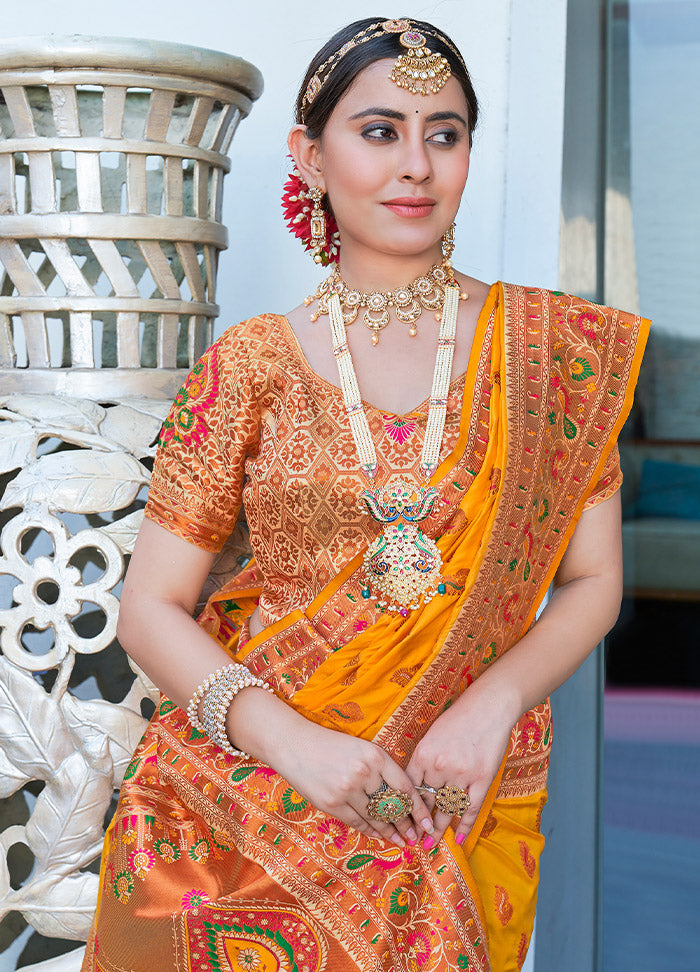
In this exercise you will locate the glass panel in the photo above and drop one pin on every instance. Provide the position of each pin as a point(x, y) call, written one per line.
point(652, 699)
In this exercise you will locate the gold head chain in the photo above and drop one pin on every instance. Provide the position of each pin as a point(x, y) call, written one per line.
point(419, 70)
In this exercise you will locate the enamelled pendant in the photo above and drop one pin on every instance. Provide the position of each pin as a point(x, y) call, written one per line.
point(402, 564)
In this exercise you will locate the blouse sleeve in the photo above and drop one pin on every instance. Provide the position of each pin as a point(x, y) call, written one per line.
point(609, 482)
point(213, 424)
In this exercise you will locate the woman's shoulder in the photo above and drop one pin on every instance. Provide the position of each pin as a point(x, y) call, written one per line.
point(256, 342)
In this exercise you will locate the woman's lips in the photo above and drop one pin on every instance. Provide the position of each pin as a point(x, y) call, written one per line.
point(411, 207)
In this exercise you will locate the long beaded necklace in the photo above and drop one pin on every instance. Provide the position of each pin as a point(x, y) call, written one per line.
point(402, 564)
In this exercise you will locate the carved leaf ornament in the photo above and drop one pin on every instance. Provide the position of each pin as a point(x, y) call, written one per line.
point(74, 466)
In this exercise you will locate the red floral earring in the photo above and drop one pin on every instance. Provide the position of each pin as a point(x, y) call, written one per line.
point(305, 218)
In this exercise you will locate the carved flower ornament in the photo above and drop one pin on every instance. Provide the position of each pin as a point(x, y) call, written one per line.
point(65, 580)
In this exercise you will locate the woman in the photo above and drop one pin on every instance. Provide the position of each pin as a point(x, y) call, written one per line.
point(389, 676)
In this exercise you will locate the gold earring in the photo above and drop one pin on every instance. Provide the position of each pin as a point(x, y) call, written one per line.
point(318, 224)
point(448, 242)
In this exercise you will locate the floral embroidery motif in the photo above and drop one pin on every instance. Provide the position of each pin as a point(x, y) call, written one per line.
point(141, 861)
point(335, 830)
point(221, 839)
point(418, 950)
point(399, 428)
point(527, 857)
point(522, 950)
point(502, 905)
point(255, 939)
point(402, 676)
point(293, 802)
point(589, 323)
point(348, 712)
point(581, 369)
point(184, 423)
point(194, 899)
point(398, 901)
point(249, 959)
point(489, 826)
point(123, 886)
point(200, 850)
point(166, 850)
point(132, 767)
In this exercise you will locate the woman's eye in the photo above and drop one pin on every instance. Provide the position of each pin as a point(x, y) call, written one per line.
point(379, 133)
point(448, 137)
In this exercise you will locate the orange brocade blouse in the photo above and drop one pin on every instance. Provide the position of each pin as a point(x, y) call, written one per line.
point(254, 423)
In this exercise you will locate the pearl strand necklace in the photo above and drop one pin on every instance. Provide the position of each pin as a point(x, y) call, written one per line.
point(438, 396)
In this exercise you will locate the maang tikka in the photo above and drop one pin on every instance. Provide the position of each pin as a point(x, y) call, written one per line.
point(419, 70)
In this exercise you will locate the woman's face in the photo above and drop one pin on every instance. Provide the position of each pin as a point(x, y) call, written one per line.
point(394, 163)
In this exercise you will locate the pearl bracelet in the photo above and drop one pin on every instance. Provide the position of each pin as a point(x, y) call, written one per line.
point(218, 691)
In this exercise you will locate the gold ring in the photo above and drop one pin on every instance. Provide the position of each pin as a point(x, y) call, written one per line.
point(388, 805)
point(452, 800)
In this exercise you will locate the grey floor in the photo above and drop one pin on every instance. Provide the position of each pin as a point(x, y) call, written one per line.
point(651, 860)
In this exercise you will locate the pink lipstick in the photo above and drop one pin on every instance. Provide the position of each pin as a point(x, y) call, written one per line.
point(413, 207)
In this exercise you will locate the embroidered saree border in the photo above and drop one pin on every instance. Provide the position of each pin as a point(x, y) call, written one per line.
point(537, 513)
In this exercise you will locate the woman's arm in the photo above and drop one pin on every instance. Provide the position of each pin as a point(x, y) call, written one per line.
point(333, 770)
point(465, 746)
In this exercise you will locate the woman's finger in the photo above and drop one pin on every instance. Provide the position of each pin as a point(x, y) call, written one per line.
point(383, 831)
point(441, 822)
point(352, 818)
point(477, 793)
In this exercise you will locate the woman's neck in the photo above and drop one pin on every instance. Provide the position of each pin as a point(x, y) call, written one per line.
point(372, 271)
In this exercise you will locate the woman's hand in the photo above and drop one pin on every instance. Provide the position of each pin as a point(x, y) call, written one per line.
point(464, 747)
point(337, 773)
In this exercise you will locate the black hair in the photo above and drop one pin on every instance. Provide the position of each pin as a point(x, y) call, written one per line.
point(316, 115)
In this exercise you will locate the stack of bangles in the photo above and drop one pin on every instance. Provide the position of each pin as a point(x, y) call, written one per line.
point(218, 691)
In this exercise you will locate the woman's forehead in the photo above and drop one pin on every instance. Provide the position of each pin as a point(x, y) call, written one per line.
point(373, 88)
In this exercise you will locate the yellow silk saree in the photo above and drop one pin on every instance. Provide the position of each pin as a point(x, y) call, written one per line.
point(216, 863)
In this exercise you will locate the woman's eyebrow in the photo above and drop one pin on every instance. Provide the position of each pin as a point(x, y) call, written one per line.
point(385, 112)
point(400, 116)
point(446, 116)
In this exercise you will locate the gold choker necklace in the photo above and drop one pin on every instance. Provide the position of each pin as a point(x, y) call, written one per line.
point(426, 291)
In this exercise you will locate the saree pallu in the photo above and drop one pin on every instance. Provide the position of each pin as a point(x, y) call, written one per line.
point(217, 863)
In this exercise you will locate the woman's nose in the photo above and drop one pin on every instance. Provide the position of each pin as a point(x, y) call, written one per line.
point(415, 163)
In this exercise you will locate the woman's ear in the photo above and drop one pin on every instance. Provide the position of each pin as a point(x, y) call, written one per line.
point(306, 153)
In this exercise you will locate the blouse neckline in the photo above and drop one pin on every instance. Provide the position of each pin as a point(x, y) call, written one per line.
point(334, 389)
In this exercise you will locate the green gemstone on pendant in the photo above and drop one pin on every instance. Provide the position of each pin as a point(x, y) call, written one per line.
point(366, 593)
point(442, 588)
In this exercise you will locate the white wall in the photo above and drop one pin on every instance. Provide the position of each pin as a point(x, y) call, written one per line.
point(508, 225)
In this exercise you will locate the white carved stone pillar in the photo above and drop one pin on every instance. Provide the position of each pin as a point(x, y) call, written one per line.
point(112, 159)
